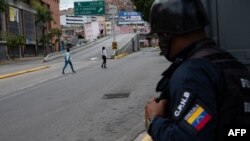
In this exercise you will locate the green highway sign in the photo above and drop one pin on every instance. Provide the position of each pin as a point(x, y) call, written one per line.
point(89, 8)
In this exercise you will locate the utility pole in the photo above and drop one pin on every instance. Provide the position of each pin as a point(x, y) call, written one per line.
point(113, 26)
point(113, 11)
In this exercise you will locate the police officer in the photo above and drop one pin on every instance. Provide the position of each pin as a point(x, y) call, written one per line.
point(188, 106)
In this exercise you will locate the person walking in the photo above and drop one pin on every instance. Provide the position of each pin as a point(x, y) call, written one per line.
point(104, 57)
point(67, 60)
point(206, 90)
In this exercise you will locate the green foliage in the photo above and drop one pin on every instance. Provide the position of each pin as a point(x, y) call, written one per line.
point(58, 33)
point(3, 5)
point(2, 35)
point(144, 7)
point(44, 15)
point(47, 39)
point(14, 41)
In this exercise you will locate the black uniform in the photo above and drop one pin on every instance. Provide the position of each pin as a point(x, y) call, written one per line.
point(207, 89)
point(191, 92)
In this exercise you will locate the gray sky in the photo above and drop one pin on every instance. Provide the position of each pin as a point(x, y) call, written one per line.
point(64, 4)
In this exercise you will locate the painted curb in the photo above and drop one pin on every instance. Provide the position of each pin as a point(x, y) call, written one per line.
point(23, 72)
point(147, 138)
point(143, 137)
point(121, 55)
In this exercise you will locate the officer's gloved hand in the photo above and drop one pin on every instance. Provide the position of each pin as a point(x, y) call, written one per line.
point(153, 109)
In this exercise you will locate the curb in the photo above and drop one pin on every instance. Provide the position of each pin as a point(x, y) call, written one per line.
point(147, 138)
point(121, 55)
point(143, 137)
point(22, 72)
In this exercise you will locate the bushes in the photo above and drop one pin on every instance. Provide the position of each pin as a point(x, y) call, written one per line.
point(13, 42)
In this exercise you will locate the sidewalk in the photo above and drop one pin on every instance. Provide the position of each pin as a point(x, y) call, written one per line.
point(23, 72)
point(17, 65)
point(20, 60)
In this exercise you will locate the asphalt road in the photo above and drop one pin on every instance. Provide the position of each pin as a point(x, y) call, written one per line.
point(48, 106)
point(84, 57)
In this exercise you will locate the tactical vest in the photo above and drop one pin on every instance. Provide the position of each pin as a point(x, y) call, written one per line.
point(233, 101)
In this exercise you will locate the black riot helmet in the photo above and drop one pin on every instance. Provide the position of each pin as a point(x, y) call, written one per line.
point(177, 17)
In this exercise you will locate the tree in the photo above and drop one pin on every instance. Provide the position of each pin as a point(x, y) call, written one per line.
point(14, 41)
point(3, 5)
point(44, 15)
point(58, 33)
point(3, 8)
point(144, 7)
point(47, 40)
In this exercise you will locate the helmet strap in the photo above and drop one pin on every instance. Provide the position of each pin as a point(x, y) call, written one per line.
point(169, 42)
point(165, 45)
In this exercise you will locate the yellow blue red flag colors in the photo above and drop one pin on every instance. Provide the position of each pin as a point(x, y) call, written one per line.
point(197, 117)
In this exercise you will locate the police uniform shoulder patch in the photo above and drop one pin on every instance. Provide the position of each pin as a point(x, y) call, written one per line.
point(197, 117)
point(182, 104)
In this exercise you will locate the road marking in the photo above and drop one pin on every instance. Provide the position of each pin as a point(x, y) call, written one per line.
point(22, 72)
point(93, 59)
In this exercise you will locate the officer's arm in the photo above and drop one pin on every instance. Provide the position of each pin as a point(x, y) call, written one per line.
point(192, 115)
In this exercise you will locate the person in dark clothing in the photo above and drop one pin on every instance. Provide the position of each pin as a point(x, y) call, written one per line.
point(192, 88)
point(104, 57)
point(67, 60)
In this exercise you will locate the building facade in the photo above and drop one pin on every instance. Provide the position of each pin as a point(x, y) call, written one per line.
point(20, 18)
point(53, 6)
point(91, 30)
point(108, 27)
point(67, 20)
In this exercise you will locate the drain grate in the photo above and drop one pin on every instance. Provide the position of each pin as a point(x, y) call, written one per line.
point(117, 95)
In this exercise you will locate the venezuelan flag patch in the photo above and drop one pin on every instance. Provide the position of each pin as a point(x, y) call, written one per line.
point(197, 117)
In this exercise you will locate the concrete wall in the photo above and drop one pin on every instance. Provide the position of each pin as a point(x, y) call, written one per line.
point(130, 46)
point(229, 26)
